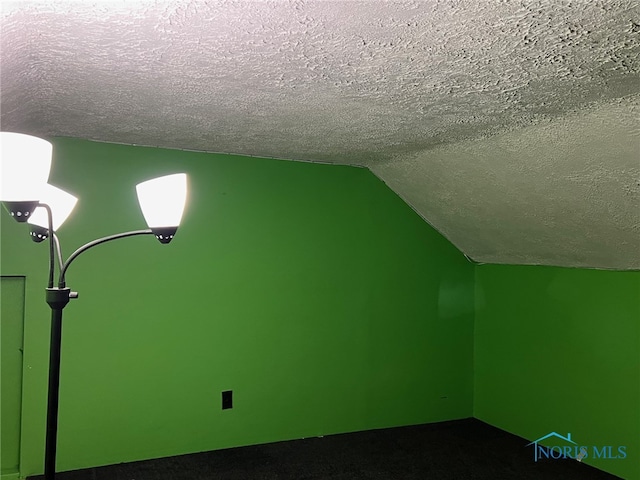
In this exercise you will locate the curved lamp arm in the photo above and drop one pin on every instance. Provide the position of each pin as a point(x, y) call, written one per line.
point(56, 241)
point(51, 247)
point(74, 255)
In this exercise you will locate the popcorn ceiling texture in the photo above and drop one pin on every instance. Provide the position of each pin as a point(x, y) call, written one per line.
point(564, 192)
point(510, 126)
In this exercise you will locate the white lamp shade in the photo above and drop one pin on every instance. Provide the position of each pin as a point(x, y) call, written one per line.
point(162, 200)
point(61, 203)
point(24, 166)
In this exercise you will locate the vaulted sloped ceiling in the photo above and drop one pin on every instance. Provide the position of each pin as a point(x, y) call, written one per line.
point(511, 126)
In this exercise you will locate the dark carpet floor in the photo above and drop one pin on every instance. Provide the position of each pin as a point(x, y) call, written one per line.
point(462, 449)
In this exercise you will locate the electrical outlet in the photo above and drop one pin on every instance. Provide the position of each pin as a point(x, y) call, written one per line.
point(227, 399)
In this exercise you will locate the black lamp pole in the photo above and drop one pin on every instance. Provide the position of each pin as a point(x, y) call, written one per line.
point(58, 298)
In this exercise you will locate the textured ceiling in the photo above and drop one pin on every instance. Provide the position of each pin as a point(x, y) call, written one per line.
point(511, 126)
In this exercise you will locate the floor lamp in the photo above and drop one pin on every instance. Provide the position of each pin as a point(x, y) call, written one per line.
point(24, 170)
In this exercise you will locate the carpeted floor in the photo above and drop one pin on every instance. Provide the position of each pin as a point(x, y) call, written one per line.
point(460, 450)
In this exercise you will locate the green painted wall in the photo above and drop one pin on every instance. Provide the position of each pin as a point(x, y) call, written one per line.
point(312, 291)
point(558, 349)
